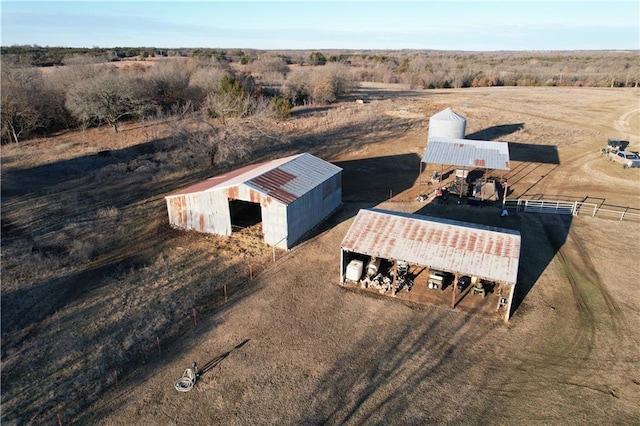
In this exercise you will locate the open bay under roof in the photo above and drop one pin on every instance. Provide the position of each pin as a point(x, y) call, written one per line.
point(486, 252)
point(467, 153)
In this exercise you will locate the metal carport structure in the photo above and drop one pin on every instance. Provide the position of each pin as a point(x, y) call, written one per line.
point(466, 154)
point(456, 247)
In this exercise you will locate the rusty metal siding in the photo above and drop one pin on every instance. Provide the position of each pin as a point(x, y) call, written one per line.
point(486, 252)
point(467, 153)
point(310, 185)
point(204, 212)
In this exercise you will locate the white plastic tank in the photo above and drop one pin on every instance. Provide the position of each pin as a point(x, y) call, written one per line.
point(354, 270)
point(447, 124)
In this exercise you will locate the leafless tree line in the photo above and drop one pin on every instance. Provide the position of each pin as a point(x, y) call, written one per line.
point(86, 92)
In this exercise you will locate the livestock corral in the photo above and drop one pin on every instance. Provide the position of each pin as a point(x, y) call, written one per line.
point(99, 323)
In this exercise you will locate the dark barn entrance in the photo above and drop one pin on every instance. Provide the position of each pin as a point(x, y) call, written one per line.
point(244, 214)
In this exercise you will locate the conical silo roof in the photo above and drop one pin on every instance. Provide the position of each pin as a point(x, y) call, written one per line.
point(448, 114)
point(447, 124)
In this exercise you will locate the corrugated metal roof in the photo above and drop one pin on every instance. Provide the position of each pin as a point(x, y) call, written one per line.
point(467, 153)
point(284, 179)
point(448, 245)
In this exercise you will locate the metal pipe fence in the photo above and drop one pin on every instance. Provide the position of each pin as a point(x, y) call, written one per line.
point(573, 208)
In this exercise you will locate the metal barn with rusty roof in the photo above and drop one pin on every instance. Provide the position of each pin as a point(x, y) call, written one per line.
point(289, 196)
point(460, 248)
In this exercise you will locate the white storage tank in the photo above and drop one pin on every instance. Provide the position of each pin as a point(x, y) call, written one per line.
point(447, 124)
point(354, 270)
point(373, 267)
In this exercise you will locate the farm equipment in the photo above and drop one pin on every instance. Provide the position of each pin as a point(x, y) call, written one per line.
point(614, 145)
point(384, 281)
point(463, 283)
point(354, 270)
point(402, 277)
point(435, 281)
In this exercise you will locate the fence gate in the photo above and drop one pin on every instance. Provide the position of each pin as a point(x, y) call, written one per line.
point(542, 206)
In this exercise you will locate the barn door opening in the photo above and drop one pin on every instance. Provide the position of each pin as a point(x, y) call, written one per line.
point(245, 214)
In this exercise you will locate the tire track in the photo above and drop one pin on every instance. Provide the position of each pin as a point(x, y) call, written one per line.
point(585, 338)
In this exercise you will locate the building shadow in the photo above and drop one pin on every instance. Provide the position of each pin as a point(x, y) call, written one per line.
point(518, 151)
point(495, 132)
point(547, 154)
point(367, 182)
point(378, 179)
point(542, 236)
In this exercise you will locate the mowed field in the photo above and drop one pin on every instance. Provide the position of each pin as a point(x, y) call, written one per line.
point(104, 305)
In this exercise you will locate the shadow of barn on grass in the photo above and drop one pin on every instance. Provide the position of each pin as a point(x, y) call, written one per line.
point(542, 236)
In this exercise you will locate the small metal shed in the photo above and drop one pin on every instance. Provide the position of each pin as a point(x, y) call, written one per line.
point(467, 153)
point(448, 245)
point(294, 194)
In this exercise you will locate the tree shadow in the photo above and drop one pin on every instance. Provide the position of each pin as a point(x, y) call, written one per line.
point(98, 169)
point(399, 373)
point(101, 350)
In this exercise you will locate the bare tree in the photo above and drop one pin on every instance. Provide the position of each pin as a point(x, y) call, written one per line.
point(238, 127)
point(271, 68)
point(297, 87)
point(169, 85)
point(21, 104)
point(108, 98)
point(330, 82)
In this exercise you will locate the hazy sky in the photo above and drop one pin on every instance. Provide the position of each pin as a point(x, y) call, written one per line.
point(450, 25)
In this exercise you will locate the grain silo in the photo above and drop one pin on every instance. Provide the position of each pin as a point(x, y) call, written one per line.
point(447, 124)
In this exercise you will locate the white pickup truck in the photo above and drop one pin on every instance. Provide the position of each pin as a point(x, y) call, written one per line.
point(626, 158)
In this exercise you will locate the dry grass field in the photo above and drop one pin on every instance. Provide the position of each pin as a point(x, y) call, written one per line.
point(104, 305)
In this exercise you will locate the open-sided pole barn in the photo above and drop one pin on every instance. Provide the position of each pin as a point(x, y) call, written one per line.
point(459, 248)
point(289, 195)
point(466, 154)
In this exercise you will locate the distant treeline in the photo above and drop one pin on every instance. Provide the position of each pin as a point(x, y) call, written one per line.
point(50, 88)
point(599, 68)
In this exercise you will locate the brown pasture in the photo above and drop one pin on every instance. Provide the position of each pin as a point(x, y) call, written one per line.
point(104, 305)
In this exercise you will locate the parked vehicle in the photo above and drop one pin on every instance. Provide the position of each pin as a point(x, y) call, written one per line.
point(463, 283)
point(626, 158)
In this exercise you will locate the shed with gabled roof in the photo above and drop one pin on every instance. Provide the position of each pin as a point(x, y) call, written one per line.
point(291, 195)
point(460, 248)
